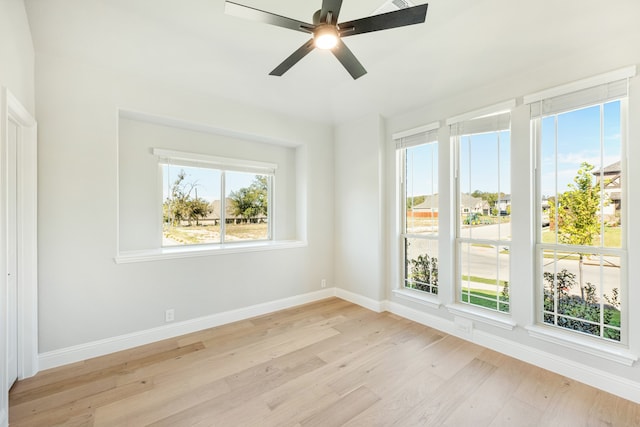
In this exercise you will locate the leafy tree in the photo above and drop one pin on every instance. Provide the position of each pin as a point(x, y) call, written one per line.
point(251, 202)
point(197, 208)
point(576, 212)
point(180, 205)
point(414, 201)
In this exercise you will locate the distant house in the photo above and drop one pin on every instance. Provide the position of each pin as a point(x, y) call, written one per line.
point(504, 203)
point(470, 204)
point(612, 188)
point(427, 209)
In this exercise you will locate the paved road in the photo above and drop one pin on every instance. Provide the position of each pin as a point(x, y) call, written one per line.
point(480, 261)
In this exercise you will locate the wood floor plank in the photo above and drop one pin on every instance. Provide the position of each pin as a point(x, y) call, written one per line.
point(511, 414)
point(435, 410)
point(350, 405)
point(325, 363)
point(480, 407)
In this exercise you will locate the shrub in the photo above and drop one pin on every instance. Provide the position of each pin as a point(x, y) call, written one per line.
point(424, 274)
point(575, 312)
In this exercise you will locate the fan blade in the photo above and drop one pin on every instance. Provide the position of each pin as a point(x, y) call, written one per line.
point(247, 12)
point(385, 21)
point(332, 6)
point(293, 58)
point(348, 60)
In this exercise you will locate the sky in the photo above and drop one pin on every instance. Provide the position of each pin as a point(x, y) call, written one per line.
point(207, 181)
point(578, 140)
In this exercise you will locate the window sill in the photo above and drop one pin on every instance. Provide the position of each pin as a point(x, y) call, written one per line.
point(610, 351)
point(430, 301)
point(499, 320)
point(205, 250)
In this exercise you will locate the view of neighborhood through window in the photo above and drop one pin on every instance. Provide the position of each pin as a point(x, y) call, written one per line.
point(195, 213)
point(484, 216)
point(580, 244)
point(420, 234)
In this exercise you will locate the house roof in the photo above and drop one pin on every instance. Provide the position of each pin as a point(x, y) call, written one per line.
point(466, 201)
point(612, 169)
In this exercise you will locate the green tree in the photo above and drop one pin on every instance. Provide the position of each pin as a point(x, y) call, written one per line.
point(197, 208)
point(576, 212)
point(180, 205)
point(414, 201)
point(253, 201)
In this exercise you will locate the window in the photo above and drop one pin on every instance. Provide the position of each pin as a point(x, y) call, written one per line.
point(580, 202)
point(193, 210)
point(418, 155)
point(483, 214)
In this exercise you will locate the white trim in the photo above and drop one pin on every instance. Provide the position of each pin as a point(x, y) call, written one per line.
point(423, 298)
point(27, 245)
point(77, 353)
point(27, 170)
point(618, 385)
point(193, 251)
point(366, 302)
point(417, 130)
point(224, 163)
point(503, 107)
point(489, 317)
point(611, 352)
point(589, 82)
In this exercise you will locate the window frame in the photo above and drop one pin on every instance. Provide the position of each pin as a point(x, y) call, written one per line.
point(537, 116)
point(421, 136)
point(223, 165)
point(490, 120)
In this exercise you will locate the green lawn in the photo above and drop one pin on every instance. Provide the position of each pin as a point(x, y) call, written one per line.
point(484, 280)
point(485, 299)
point(612, 237)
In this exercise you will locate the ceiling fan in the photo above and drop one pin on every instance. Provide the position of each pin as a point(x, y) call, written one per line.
point(328, 33)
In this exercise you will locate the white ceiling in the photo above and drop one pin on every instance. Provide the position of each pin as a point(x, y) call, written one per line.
point(193, 45)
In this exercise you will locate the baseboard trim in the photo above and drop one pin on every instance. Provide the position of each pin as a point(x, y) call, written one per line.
point(93, 349)
point(602, 380)
point(366, 302)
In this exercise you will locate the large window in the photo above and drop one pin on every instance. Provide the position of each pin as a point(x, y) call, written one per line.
point(214, 200)
point(418, 155)
point(483, 214)
point(581, 202)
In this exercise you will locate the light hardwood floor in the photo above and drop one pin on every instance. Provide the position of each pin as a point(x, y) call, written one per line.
point(329, 363)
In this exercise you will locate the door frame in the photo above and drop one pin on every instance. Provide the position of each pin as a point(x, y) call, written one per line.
point(27, 243)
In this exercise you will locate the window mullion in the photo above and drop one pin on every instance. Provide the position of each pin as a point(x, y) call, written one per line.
point(223, 206)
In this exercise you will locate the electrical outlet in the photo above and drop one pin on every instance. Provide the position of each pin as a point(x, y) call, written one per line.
point(323, 283)
point(463, 326)
point(169, 315)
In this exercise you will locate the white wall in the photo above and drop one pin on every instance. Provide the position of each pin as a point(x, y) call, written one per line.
point(360, 266)
point(16, 53)
point(84, 295)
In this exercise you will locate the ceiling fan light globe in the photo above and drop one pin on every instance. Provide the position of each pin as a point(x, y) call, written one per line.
point(326, 37)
